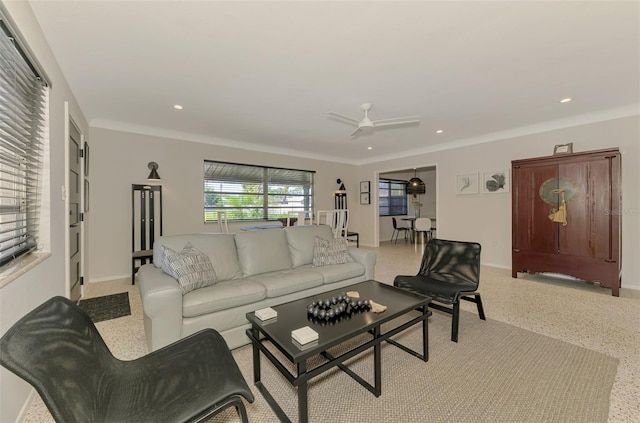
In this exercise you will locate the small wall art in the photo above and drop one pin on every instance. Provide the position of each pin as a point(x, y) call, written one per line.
point(467, 183)
point(365, 198)
point(365, 186)
point(563, 149)
point(495, 182)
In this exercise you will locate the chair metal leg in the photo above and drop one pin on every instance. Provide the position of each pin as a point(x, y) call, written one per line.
point(478, 302)
point(480, 308)
point(242, 412)
point(232, 401)
point(455, 321)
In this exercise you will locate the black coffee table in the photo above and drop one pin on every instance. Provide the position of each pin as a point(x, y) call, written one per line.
point(293, 315)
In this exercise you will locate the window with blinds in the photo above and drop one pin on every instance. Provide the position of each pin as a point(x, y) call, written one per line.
point(392, 197)
point(23, 97)
point(247, 192)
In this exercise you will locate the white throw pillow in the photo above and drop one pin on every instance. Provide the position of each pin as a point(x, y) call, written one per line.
point(191, 267)
point(327, 252)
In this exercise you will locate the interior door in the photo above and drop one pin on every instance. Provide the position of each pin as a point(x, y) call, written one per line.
point(75, 210)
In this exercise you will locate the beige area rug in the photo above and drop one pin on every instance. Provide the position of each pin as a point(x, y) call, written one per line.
point(495, 373)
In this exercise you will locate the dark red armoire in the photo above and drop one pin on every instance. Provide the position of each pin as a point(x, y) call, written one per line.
point(567, 215)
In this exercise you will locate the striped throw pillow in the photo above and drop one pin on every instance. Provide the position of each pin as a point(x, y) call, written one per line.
point(191, 267)
point(328, 252)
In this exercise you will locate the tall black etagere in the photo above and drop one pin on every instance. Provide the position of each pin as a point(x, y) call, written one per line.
point(146, 224)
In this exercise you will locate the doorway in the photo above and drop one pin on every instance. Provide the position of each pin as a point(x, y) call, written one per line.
point(418, 205)
point(75, 211)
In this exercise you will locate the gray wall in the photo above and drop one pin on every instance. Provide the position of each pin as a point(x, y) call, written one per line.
point(481, 217)
point(119, 159)
point(486, 218)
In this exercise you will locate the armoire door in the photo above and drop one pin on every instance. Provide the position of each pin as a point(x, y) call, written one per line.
point(587, 233)
point(534, 231)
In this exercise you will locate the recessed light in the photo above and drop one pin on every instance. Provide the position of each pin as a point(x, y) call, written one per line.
point(566, 100)
point(178, 107)
point(369, 148)
point(439, 131)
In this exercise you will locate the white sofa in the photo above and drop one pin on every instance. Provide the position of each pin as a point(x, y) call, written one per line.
point(254, 269)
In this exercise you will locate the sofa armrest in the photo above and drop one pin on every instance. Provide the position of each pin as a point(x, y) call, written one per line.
point(365, 257)
point(162, 305)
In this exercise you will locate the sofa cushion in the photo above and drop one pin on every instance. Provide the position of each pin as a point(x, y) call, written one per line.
point(262, 251)
point(328, 252)
point(191, 267)
point(220, 248)
point(300, 240)
point(288, 281)
point(340, 272)
point(221, 296)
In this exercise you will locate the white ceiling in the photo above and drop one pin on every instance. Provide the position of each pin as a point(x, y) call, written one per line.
point(263, 75)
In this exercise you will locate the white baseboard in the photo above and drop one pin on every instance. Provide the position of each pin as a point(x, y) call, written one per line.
point(499, 266)
point(110, 278)
point(25, 407)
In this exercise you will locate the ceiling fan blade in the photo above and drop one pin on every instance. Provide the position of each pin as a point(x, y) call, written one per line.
point(395, 123)
point(356, 132)
point(344, 117)
point(404, 119)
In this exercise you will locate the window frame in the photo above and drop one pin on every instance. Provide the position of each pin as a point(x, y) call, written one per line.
point(23, 132)
point(403, 198)
point(262, 179)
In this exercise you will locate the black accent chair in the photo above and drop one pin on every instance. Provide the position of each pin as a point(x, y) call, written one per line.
point(449, 272)
point(57, 349)
point(397, 229)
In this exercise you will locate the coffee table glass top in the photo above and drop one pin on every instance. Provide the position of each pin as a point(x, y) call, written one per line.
point(293, 315)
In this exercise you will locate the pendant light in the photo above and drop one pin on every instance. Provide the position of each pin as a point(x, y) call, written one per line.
point(415, 185)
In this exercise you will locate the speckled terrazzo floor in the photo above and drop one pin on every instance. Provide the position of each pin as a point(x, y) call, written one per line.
point(574, 312)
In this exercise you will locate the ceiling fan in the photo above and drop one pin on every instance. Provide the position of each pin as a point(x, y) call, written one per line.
point(367, 125)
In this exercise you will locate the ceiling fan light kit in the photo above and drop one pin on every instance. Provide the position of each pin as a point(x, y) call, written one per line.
point(367, 125)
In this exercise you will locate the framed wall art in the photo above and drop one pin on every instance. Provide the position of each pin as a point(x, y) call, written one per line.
point(467, 183)
point(365, 198)
point(365, 186)
point(495, 182)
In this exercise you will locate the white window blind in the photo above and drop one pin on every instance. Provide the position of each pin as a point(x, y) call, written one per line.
point(247, 192)
point(22, 108)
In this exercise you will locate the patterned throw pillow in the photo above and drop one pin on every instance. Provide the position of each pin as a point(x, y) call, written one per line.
point(327, 252)
point(191, 267)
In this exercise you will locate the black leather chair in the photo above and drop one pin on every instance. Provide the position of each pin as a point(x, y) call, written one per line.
point(57, 349)
point(397, 229)
point(449, 272)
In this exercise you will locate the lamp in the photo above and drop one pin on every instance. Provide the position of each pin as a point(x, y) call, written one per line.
point(416, 186)
point(153, 175)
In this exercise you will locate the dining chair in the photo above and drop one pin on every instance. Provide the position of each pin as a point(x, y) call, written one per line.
point(301, 218)
point(397, 229)
point(422, 227)
point(222, 222)
point(337, 219)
